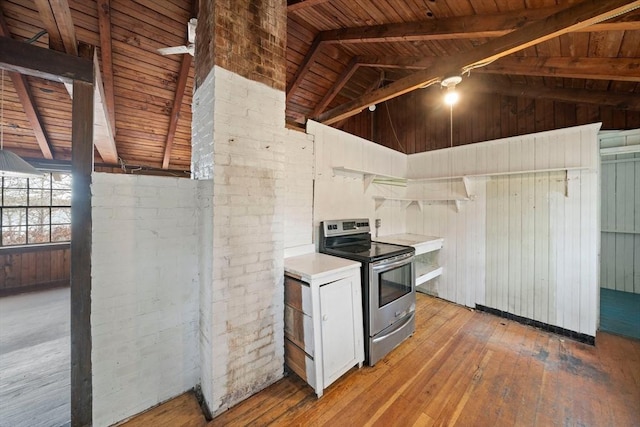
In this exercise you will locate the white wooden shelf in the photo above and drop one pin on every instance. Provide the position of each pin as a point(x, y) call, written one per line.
point(426, 272)
point(369, 177)
point(380, 201)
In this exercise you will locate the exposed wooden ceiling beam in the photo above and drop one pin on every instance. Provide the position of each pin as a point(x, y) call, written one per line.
point(23, 90)
point(571, 19)
point(56, 17)
point(104, 22)
point(617, 69)
point(307, 62)
point(620, 101)
point(349, 70)
point(620, 69)
point(181, 84)
point(103, 129)
point(463, 27)
point(294, 6)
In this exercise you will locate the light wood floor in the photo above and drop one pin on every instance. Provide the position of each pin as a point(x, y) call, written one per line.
point(35, 359)
point(462, 368)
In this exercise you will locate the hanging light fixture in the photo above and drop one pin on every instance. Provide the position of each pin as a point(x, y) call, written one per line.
point(10, 163)
point(451, 96)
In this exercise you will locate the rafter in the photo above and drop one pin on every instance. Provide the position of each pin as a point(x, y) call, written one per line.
point(175, 109)
point(571, 19)
point(23, 90)
point(104, 22)
point(349, 70)
point(463, 27)
point(56, 16)
point(620, 101)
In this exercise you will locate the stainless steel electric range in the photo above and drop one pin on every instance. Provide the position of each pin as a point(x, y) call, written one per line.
point(388, 283)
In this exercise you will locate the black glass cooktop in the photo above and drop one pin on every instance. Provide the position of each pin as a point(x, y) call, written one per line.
point(370, 252)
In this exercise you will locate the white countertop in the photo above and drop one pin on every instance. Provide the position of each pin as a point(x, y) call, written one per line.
point(315, 266)
point(421, 243)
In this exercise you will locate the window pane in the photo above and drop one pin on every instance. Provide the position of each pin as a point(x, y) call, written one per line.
point(38, 216)
point(39, 234)
point(39, 197)
point(61, 198)
point(61, 181)
point(13, 216)
point(61, 215)
point(12, 182)
point(41, 183)
point(15, 197)
point(14, 235)
point(60, 233)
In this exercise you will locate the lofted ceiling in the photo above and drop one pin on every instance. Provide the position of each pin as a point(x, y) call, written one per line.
point(145, 97)
point(342, 55)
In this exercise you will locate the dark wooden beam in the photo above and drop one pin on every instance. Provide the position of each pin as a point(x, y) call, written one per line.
point(619, 69)
point(23, 90)
point(619, 101)
point(307, 62)
point(106, 54)
point(81, 224)
point(56, 17)
point(571, 19)
point(294, 6)
point(181, 84)
point(349, 70)
point(48, 64)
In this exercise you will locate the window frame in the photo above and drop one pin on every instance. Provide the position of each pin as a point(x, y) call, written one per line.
point(27, 207)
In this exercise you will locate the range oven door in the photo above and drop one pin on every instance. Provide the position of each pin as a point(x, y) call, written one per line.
point(392, 294)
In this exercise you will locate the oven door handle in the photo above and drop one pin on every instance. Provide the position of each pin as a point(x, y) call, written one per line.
point(397, 328)
point(384, 266)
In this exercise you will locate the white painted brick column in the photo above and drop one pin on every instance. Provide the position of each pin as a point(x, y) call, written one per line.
point(238, 141)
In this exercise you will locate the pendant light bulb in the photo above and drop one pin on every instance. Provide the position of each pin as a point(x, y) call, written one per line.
point(451, 97)
point(372, 107)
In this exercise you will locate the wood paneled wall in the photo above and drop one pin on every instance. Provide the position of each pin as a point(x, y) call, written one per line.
point(620, 194)
point(527, 244)
point(34, 267)
point(419, 121)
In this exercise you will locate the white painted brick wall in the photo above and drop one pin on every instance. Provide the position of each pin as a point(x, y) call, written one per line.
point(239, 141)
point(144, 312)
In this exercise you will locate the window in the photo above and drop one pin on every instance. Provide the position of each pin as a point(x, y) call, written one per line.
point(35, 210)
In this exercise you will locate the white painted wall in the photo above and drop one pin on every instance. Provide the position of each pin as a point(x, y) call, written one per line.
point(522, 245)
point(298, 198)
point(621, 213)
point(239, 141)
point(144, 312)
point(339, 195)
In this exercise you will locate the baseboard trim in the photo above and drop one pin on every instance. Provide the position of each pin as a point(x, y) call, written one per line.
point(577, 336)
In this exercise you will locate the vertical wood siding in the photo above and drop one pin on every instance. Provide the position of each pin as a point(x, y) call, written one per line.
point(528, 243)
point(28, 268)
point(621, 219)
point(421, 121)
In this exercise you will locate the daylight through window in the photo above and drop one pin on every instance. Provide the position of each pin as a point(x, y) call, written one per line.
point(35, 210)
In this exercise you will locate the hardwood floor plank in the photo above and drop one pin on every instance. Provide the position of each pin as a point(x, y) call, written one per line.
point(465, 368)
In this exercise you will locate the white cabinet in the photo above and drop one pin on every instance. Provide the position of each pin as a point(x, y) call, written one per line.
point(323, 318)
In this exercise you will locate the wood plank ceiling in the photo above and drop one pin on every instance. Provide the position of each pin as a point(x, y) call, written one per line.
point(146, 97)
point(342, 55)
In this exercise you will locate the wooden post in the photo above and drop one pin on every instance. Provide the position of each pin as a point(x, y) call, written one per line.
point(81, 168)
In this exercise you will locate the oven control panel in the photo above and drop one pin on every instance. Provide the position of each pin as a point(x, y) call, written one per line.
point(341, 227)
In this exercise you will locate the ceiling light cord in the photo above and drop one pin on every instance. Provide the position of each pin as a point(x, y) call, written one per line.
point(393, 129)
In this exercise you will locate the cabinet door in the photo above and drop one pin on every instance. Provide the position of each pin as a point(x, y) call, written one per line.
point(338, 333)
